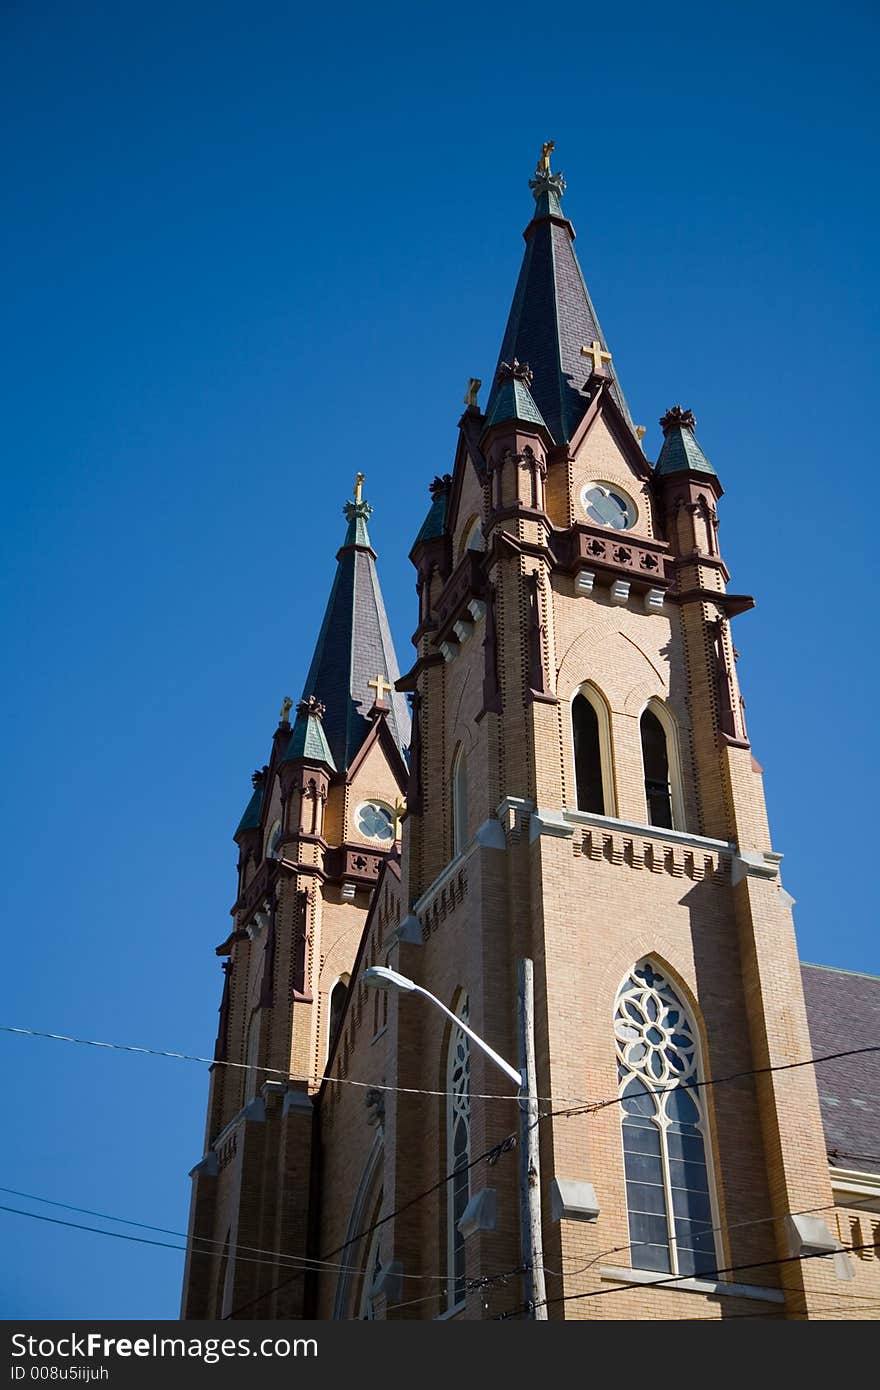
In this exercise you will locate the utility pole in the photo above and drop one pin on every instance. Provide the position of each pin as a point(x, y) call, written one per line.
point(532, 1244)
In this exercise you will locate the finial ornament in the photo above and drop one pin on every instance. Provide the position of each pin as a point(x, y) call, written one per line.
point(357, 509)
point(516, 371)
point(441, 485)
point(286, 707)
point(677, 417)
point(545, 181)
point(311, 707)
point(257, 777)
point(473, 386)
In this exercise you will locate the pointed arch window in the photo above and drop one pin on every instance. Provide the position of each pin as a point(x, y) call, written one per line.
point(459, 800)
point(272, 840)
point(372, 1270)
point(663, 798)
point(338, 996)
point(667, 1159)
point(591, 732)
point(458, 1152)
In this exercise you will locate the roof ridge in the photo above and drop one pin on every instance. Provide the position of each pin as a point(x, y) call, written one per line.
point(840, 970)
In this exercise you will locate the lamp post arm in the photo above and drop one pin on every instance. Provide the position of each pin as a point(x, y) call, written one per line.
point(510, 1072)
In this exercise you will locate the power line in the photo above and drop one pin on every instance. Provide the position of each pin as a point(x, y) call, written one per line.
point(677, 1278)
point(306, 1262)
point(590, 1107)
point(711, 1231)
point(490, 1155)
point(575, 1105)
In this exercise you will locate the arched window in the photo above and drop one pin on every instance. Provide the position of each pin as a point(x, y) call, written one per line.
point(458, 1153)
point(338, 996)
point(472, 536)
point(253, 1078)
point(665, 1135)
point(372, 1270)
point(272, 839)
point(661, 765)
point(459, 800)
point(591, 732)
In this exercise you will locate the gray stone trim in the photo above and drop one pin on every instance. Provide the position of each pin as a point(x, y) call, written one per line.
point(254, 1110)
point(297, 1102)
point(207, 1166)
point(618, 1274)
point(648, 832)
point(573, 1200)
point(481, 1213)
point(754, 864)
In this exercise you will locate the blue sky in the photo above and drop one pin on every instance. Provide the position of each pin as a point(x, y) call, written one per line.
point(249, 250)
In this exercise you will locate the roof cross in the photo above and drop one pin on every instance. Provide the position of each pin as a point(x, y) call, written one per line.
point(380, 685)
point(598, 354)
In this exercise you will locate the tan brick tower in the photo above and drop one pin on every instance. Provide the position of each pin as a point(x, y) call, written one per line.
point(323, 819)
point(581, 793)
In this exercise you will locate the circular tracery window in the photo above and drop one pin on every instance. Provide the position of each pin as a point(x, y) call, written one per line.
point(375, 820)
point(608, 505)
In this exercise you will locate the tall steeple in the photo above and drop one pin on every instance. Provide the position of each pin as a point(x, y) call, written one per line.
point(354, 663)
point(552, 326)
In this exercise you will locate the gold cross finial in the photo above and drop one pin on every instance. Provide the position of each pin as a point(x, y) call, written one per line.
point(286, 707)
point(598, 354)
point(399, 813)
point(380, 685)
point(544, 162)
point(358, 487)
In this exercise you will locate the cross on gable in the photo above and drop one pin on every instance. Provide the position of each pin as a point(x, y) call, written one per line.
point(380, 685)
point(598, 354)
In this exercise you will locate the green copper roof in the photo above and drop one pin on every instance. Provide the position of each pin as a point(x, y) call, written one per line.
point(513, 401)
point(681, 453)
point(357, 514)
point(251, 818)
point(552, 318)
point(434, 523)
point(307, 739)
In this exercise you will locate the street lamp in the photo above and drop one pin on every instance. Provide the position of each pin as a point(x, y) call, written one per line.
point(383, 977)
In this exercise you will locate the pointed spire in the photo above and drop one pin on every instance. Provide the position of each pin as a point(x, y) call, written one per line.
point(681, 453)
point(308, 739)
point(354, 647)
point(552, 319)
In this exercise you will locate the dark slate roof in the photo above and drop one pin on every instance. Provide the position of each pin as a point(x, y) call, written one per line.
point(552, 318)
point(681, 452)
point(354, 646)
point(843, 1011)
point(514, 401)
point(251, 818)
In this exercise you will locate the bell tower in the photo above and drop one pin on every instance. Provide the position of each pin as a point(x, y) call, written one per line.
point(583, 793)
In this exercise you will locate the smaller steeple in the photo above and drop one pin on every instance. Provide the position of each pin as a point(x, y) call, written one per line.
point(251, 818)
point(512, 399)
point(308, 739)
point(354, 645)
point(681, 453)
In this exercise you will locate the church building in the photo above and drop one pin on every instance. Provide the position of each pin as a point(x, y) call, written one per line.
point(513, 1023)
